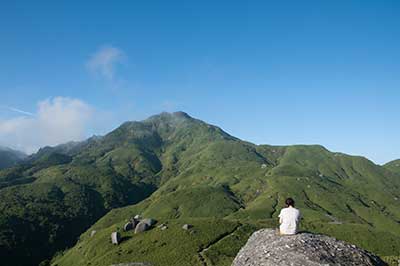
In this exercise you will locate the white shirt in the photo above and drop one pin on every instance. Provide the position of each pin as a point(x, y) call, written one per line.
point(289, 219)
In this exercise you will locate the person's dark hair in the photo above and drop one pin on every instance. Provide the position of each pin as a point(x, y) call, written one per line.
point(289, 202)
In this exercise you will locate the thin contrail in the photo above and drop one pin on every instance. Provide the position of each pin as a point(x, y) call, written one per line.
point(18, 110)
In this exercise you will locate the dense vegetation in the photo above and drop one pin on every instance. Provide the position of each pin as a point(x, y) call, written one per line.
point(178, 169)
point(9, 157)
point(393, 166)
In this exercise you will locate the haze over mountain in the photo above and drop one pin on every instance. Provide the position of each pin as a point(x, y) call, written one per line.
point(177, 168)
point(10, 157)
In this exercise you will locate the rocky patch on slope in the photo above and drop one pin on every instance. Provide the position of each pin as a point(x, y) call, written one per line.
point(266, 248)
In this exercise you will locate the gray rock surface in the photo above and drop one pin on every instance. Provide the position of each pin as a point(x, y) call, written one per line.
point(162, 226)
point(134, 221)
point(128, 226)
point(149, 221)
point(115, 238)
point(187, 226)
point(141, 227)
point(266, 248)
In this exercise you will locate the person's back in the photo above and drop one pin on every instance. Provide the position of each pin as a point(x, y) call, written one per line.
point(289, 218)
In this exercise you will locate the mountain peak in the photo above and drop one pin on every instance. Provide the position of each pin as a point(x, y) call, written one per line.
point(169, 118)
point(181, 114)
point(168, 115)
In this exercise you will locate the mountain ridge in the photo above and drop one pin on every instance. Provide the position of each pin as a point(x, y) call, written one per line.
point(172, 166)
point(393, 166)
point(10, 157)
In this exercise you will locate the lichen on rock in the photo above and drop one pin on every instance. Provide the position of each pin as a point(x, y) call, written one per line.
point(267, 248)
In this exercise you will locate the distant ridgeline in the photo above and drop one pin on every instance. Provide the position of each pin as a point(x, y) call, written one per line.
point(181, 170)
point(9, 157)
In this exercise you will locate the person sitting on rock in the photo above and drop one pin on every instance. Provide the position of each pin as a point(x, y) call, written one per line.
point(289, 218)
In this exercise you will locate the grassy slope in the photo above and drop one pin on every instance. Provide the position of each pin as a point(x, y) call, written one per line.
point(393, 166)
point(325, 185)
point(61, 197)
point(215, 241)
point(173, 246)
point(198, 172)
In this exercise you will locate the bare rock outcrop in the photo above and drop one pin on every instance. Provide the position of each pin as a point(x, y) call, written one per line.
point(115, 238)
point(266, 248)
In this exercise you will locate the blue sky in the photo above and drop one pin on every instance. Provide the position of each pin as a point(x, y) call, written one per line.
point(276, 72)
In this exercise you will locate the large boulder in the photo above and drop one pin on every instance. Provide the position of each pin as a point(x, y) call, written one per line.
point(128, 226)
point(149, 221)
point(115, 238)
point(266, 248)
point(141, 227)
point(131, 224)
point(187, 226)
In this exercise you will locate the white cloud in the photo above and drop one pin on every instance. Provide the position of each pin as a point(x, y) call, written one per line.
point(57, 120)
point(105, 61)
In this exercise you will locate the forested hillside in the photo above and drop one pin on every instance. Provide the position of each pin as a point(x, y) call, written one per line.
point(176, 168)
point(9, 157)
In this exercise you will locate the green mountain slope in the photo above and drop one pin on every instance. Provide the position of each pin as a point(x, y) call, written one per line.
point(179, 169)
point(393, 166)
point(9, 157)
